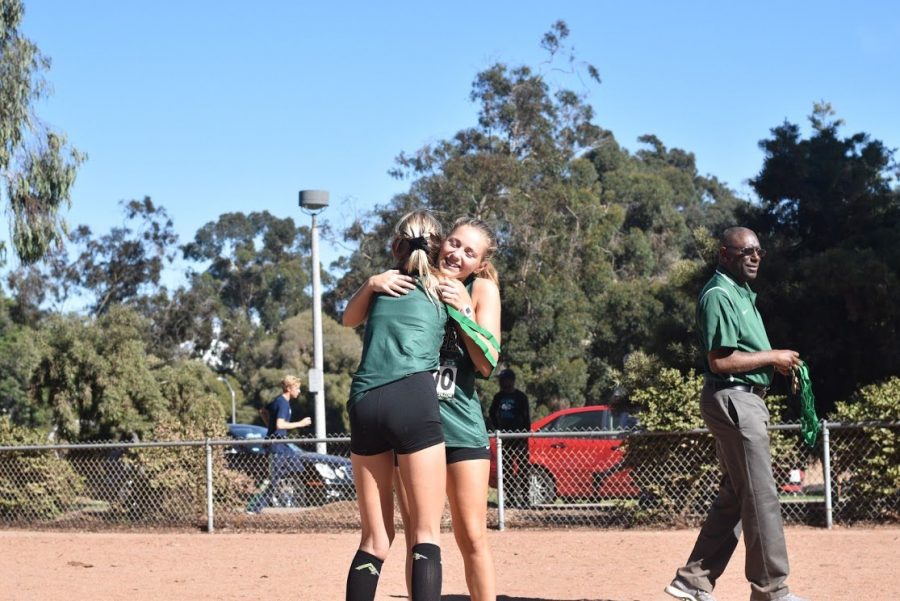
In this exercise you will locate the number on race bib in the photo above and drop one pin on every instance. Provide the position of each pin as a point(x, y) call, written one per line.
point(445, 381)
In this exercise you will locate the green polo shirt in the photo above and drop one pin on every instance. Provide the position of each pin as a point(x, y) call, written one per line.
point(727, 318)
point(403, 337)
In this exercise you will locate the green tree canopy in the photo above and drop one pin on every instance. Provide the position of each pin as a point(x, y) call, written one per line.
point(831, 213)
point(256, 274)
point(123, 266)
point(588, 232)
point(96, 378)
point(93, 379)
point(289, 351)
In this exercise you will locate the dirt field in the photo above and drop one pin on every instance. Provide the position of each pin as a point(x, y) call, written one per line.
point(857, 564)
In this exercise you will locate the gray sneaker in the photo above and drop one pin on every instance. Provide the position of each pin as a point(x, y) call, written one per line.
point(680, 590)
point(791, 597)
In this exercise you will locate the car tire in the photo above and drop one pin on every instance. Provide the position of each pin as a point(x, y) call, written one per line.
point(541, 488)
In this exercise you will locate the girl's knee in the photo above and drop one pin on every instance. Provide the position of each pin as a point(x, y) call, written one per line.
point(471, 540)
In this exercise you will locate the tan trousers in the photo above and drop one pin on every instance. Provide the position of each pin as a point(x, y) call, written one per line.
point(747, 500)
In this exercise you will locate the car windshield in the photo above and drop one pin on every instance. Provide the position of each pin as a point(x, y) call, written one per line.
point(586, 420)
point(602, 420)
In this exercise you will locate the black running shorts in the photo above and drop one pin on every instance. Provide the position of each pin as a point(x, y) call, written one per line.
point(457, 454)
point(403, 416)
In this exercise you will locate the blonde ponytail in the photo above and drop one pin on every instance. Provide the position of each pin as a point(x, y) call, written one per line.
point(417, 243)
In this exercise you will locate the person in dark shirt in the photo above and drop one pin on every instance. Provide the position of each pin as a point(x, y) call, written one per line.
point(277, 416)
point(510, 412)
point(278, 412)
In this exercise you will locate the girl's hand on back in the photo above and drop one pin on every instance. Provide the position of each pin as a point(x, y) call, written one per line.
point(392, 283)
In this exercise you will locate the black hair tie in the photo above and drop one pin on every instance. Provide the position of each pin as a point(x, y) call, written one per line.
point(419, 243)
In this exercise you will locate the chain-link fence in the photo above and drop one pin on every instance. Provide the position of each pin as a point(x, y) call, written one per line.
point(539, 479)
point(624, 479)
point(247, 483)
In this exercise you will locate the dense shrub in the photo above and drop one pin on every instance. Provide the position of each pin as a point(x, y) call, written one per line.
point(867, 471)
point(678, 473)
point(34, 484)
point(168, 484)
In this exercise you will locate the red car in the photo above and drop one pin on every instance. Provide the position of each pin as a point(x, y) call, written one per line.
point(575, 466)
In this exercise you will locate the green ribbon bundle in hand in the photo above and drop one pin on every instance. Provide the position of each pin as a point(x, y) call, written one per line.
point(801, 386)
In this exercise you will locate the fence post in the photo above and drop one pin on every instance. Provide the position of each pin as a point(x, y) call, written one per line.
point(209, 488)
point(826, 472)
point(501, 513)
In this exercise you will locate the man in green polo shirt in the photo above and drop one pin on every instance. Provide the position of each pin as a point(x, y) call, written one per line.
point(739, 367)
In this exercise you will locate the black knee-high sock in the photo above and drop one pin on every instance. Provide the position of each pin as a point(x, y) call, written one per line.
point(426, 572)
point(362, 580)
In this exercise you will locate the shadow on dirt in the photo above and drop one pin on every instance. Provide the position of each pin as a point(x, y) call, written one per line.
point(509, 598)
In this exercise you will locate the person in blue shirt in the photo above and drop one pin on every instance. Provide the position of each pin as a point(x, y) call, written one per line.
point(278, 412)
point(277, 417)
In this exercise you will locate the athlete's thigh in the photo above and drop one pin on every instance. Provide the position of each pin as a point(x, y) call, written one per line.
point(467, 488)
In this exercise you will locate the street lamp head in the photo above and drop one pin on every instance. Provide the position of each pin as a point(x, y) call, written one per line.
point(313, 200)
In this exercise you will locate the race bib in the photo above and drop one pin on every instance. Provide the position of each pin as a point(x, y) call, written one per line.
point(445, 381)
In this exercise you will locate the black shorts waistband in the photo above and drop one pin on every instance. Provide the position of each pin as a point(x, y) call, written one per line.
point(457, 454)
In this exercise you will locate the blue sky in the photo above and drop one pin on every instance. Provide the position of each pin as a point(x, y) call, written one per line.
point(217, 106)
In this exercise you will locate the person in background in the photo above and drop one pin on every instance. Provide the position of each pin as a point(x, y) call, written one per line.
point(277, 417)
point(277, 413)
point(510, 412)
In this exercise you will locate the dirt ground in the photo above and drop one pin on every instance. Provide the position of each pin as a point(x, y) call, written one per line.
point(560, 565)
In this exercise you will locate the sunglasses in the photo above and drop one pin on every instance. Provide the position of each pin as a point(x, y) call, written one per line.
point(749, 250)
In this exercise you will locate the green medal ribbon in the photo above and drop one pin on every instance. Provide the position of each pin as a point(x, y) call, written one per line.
point(472, 329)
point(809, 421)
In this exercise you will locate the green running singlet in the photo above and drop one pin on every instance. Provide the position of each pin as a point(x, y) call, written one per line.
point(403, 335)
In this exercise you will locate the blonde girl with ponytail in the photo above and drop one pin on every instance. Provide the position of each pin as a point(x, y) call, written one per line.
point(393, 408)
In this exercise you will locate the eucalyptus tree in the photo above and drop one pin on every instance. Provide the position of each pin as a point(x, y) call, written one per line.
point(37, 165)
point(252, 273)
point(122, 266)
point(588, 233)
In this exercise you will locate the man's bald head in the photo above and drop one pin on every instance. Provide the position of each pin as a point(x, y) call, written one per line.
point(733, 235)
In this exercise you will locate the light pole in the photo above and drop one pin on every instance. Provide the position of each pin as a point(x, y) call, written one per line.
point(231, 390)
point(314, 202)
